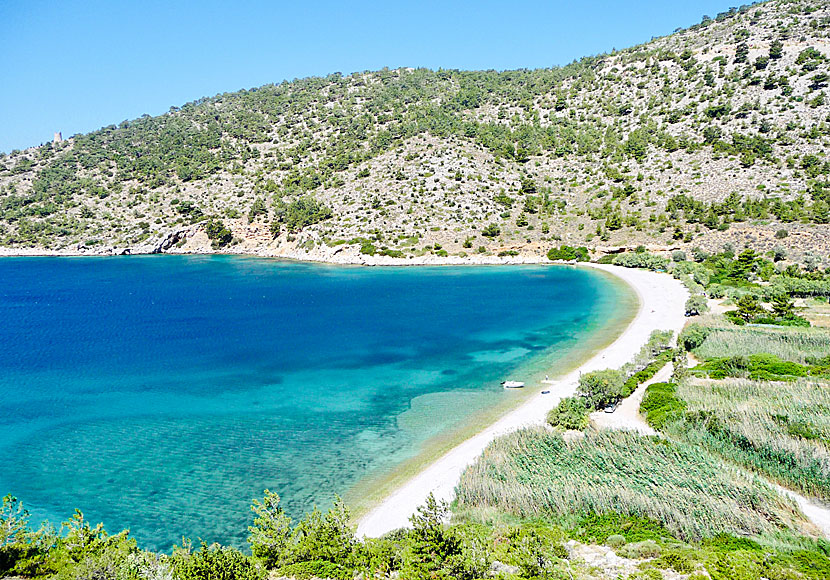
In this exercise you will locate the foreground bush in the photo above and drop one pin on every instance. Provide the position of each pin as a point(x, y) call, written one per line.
point(215, 563)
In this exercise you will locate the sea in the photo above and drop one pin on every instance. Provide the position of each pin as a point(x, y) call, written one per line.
point(162, 394)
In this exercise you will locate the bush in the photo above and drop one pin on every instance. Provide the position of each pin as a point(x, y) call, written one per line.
point(569, 253)
point(570, 413)
point(601, 388)
point(649, 371)
point(299, 214)
point(215, 563)
point(433, 550)
point(641, 260)
point(757, 366)
point(317, 537)
point(696, 305)
point(661, 405)
point(316, 569)
point(216, 231)
point(491, 231)
point(271, 532)
point(639, 550)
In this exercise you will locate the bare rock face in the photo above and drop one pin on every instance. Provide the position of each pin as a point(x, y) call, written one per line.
point(168, 242)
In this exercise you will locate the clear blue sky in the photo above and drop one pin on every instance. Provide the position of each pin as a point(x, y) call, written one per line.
point(74, 66)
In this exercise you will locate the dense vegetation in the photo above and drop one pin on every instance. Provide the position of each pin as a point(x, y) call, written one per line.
point(713, 134)
point(650, 478)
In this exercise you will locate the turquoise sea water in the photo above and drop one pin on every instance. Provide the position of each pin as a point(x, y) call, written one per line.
point(163, 393)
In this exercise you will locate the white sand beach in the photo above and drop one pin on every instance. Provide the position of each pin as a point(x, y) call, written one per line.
point(662, 306)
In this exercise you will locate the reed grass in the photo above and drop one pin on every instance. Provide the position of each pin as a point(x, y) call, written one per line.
point(536, 473)
point(781, 430)
point(788, 343)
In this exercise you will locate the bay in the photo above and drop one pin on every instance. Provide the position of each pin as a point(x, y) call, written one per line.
point(163, 393)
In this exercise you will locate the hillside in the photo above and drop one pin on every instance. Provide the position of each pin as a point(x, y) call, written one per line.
point(713, 135)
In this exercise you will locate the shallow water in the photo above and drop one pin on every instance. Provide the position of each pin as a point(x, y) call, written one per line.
point(164, 393)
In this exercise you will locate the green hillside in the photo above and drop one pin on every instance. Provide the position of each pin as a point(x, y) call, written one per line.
point(714, 135)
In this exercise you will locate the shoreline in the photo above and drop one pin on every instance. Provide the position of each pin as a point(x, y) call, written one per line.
point(370, 491)
point(661, 307)
point(337, 256)
point(661, 301)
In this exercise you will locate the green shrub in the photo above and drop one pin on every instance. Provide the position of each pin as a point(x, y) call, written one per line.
point(661, 405)
point(757, 366)
point(601, 388)
point(568, 253)
point(570, 413)
point(215, 563)
point(270, 533)
point(432, 550)
point(643, 549)
point(696, 305)
point(641, 260)
point(649, 371)
point(599, 528)
point(676, 560)
point(216, 231)
point(693, 336)
point(491, 231)
point(299, 214)
point(316, 569)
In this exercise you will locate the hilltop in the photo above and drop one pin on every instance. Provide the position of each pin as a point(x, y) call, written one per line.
point(711, 136)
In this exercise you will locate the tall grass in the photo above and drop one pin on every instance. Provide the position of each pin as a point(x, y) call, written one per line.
point(533, 473)
point(788, 343)
point(780, 430)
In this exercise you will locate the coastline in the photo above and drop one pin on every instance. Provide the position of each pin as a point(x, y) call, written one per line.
point(195, 242)
point(370, 491)
point(661, 307)
point(661, 301)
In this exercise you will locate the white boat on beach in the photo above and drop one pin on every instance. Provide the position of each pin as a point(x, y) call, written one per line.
point(513, 385)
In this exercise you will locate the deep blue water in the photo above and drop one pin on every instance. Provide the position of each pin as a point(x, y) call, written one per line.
point(164, 393)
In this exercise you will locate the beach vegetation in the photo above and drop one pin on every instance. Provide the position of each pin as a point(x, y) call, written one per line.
point(776, 430)
point(569, 253)
point(787, 343)
point(570, 413)
point(601, 388)
point(696, 305)
point(535, 473)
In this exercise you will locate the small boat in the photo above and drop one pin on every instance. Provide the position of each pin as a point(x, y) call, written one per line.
point(546, 392)
point(512, 385)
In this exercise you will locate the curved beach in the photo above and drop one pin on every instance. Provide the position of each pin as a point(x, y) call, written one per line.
point(662, 306)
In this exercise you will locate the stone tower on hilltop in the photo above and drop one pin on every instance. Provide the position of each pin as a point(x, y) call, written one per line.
point(58, 138)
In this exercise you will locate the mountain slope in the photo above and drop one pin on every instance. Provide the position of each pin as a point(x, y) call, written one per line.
point(713, 135)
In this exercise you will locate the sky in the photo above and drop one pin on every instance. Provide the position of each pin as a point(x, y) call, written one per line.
point(75, 66)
